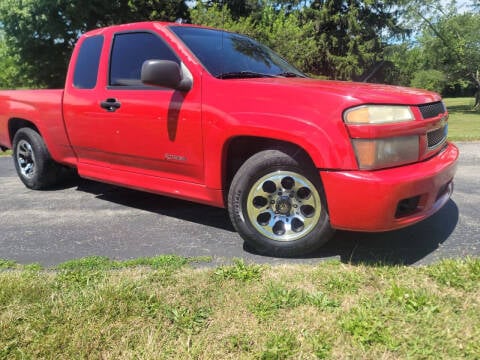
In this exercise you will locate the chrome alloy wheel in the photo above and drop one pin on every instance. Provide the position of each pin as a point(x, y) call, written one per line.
point(284, 206)
point(25, 158)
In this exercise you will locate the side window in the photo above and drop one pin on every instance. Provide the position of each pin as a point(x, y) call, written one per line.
point(86, 68)
point(130, 51)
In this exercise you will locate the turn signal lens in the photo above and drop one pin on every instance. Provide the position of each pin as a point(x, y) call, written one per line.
point(378, 114)
point(383, 153)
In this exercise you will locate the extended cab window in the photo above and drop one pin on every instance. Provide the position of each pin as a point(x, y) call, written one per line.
point(86, 68)
point(130, 51)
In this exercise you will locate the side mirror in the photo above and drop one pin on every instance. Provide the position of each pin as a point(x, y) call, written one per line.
point(165, 73)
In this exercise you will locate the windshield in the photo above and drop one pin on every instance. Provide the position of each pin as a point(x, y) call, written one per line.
point(227, 55)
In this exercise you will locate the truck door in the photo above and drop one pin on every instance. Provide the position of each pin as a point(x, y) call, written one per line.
point(129, 127)
point(156, 131)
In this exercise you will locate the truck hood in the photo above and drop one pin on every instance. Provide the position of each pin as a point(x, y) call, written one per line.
point(351, 92)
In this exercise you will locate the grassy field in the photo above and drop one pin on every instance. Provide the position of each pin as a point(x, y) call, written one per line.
point(463, 123)
point(165, 308)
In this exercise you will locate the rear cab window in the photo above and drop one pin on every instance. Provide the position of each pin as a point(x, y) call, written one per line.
point(88, 60)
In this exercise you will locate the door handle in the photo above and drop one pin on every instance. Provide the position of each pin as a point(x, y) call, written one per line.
point(110, 104)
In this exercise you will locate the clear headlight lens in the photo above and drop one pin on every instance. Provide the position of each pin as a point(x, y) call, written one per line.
point(383, 153)
point(378, 114)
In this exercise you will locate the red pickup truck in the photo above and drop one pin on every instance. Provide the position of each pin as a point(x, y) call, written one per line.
point(215, 117)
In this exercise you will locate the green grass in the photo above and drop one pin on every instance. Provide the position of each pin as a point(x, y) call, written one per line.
point(164, 308)
point(6, 153)
point(464, 122)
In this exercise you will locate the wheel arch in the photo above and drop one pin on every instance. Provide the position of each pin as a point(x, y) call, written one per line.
point(15, 124)
point(239, 149)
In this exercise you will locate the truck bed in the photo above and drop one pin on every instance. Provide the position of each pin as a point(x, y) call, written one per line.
point(44, 107)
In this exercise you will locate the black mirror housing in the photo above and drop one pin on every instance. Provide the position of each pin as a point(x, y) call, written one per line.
point(164, 73)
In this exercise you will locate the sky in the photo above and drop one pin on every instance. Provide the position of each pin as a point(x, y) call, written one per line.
point(462, 5)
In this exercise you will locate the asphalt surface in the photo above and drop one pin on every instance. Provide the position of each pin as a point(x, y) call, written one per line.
point(87, 218)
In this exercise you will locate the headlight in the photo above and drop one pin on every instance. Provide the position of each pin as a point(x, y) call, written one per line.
point(383, 153)
point(378, 114)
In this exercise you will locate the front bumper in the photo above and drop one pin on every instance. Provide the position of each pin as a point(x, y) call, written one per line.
point(390, 199)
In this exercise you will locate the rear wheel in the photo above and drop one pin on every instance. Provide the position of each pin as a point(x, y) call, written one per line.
point(33, 162)
point(277, 204)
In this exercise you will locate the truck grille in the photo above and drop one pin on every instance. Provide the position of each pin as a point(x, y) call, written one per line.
point(437, 137)
point(432, 110)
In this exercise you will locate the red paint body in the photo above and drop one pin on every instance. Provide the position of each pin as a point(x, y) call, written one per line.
point(144, 147)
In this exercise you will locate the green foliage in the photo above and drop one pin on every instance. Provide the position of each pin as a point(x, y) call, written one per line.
point(367, 326)
point(103, 263)
point(240, 342)
point(188, 319)
point(88, 263)
point(283, 32)
point(344, 283)
point(413, 300)
point(464, 274)
point(12, 71)
point(433, 80)
point(333, 39)
point(89, 271)
point(288, 35)
point(446, 41)
point(7, 264)
point(279, 346)
point(338, 40)
point(451, 46)
point(463, 120)
point(279, 297)
point(40, 34)
point(239, 271)
point(350, 35)
point(170, 262)
point(127, 315)
point(322, 345)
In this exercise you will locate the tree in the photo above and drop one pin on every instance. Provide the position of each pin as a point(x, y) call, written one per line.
point(433, 80)
point(352, 35)
point(11, 74)
point(452, 45)
point(42, 33)
point(446, 40)
point(336, 39)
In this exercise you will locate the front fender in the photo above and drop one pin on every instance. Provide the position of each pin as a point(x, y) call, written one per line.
point(329, 146)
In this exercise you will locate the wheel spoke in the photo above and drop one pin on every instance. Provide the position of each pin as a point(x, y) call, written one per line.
point(23, 153)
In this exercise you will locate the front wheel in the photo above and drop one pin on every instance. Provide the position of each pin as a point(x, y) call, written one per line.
point(277, 204)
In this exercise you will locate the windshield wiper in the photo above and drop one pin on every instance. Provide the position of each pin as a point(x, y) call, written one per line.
point(290, 74)
point(243, 75)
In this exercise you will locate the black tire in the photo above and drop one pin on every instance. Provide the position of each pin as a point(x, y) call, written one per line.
point(277, 204)
point(34, 165)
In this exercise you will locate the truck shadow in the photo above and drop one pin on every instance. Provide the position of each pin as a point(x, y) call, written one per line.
point(401, 247)
point(161, 205)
